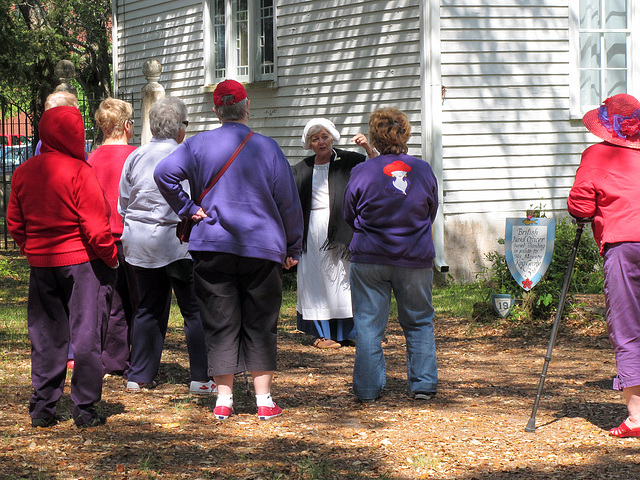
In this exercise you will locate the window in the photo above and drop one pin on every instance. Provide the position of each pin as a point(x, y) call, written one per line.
point(239, 40)
point(602, 42)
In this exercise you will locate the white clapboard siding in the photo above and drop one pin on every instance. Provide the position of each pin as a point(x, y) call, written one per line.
point(507, 140)
point(170, 32)
point(341, 60)
point(336, 59)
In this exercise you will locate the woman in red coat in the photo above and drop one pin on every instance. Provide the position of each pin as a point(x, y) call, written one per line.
point(114, 119)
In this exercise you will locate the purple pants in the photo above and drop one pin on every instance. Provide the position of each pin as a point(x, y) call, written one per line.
point(67, 305)
point(622, 295)
point(117, 331)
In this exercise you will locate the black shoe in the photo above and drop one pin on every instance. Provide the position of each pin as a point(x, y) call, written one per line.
point(95, 421)
point(367, 400)
point(43, 422)
point(424, 395)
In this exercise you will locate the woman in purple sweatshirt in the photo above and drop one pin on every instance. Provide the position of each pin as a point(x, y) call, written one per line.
point(390, 203)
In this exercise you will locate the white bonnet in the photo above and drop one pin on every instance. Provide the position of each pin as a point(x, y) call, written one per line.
point(324, 123)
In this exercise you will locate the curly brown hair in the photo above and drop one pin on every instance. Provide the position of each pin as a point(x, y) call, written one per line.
point(389, 131)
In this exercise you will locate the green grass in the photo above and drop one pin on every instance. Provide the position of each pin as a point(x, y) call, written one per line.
point(458, 299)
point(425, 460)
point(14, 341)
point(452, 299)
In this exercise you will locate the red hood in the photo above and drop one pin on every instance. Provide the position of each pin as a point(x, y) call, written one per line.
point(62, 130)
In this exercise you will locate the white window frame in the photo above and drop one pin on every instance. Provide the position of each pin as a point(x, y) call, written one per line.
point(254, 73)
point(576, 109)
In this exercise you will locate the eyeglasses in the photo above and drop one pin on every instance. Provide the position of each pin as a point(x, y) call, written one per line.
point(185, 123)
point(130, 120)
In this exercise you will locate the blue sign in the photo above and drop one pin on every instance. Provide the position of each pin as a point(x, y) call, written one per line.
point(528, 245)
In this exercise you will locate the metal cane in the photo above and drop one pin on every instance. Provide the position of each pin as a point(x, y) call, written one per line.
point(580, 223)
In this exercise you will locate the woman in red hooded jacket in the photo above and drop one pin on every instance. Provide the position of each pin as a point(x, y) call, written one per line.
point(58, 216)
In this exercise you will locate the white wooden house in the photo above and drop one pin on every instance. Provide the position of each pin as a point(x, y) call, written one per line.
point(495, 89)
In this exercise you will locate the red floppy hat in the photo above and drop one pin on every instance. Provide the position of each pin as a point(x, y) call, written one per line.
point(617, 121)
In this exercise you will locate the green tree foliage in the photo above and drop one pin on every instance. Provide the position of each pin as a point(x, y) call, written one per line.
point(35, 35)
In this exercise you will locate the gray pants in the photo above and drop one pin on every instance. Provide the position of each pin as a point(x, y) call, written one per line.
point(239, 299)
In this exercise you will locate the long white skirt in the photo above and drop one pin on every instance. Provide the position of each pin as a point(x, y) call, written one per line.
point(323, 278)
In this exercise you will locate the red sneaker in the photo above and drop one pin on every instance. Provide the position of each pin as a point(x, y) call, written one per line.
point(222, 413)
point(266, 413)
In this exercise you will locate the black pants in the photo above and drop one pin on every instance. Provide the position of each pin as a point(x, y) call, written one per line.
point(152, 318)
point(239, 299)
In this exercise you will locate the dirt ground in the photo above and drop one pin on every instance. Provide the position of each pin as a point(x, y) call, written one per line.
point(473, 429)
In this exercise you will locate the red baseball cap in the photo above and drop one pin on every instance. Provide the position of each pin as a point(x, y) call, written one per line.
point(229, 87)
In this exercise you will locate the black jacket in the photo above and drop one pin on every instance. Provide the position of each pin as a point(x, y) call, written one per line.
point(339, 234)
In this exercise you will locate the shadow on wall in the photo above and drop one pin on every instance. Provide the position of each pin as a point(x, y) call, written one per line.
point(467, 239)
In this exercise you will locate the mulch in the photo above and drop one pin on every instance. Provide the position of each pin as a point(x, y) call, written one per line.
point(473, 429)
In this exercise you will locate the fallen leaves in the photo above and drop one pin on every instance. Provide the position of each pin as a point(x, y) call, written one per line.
point(473, 429)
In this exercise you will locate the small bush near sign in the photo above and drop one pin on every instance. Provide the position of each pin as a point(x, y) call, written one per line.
point(587, 275)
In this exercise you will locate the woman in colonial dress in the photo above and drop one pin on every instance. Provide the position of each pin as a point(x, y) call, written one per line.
point(324, 294)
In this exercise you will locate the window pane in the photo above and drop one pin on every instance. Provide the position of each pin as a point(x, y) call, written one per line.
point(616, 82)
point(615, 14)
point(590, 88)
point(589, 14)
point(589, 50)
point(219, 39)
point(615, 45)
point(242, 40)
point(266, 37)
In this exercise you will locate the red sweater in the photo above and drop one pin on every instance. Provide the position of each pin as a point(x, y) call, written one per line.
point(57, 213)
point(107, 162)
point(607, 188)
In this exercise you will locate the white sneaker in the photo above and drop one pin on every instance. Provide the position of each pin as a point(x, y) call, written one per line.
point(137, 387)
point(203, 388)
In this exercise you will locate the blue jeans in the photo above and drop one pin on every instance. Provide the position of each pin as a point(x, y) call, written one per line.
point(371, 287)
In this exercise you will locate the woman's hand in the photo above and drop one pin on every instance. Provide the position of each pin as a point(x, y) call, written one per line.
point(361, 140)
point(289, 262)
point(199, 215)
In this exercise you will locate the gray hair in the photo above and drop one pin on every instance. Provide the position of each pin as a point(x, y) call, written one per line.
point(166, 116)
point(231, 113)
point(313, 130)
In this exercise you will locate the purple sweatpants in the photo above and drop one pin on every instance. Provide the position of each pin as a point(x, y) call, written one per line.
point(117, 332)
point(67, 305)
point(622, 295)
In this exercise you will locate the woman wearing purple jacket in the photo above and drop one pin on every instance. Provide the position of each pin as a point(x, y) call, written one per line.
point(390, 203)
